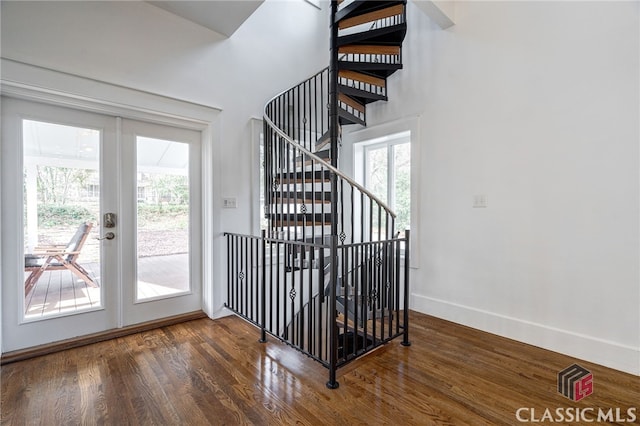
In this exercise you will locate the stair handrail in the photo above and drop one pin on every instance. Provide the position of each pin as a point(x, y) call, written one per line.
point(313, 156)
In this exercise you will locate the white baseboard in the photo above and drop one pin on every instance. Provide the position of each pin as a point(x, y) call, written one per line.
point(599, 351)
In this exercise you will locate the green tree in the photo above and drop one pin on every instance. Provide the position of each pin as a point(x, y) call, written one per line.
point(57, 184)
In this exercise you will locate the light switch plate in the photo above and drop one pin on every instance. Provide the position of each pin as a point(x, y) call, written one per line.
point(230, 203)
point(480, 201)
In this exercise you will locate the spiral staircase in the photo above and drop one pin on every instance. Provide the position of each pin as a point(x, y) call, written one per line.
point(330, 274)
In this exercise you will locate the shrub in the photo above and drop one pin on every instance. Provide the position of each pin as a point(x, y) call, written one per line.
point(171, 216)
point(53, 215)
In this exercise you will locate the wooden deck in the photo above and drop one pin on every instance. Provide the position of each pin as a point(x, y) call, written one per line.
point(60, 292)
point(215, 372)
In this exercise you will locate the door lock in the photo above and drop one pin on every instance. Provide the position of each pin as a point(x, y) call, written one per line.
point(109, 220)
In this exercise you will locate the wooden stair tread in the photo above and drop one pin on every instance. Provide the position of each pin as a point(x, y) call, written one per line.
point(371, 16)
point(348, 100)
point(365, 78)
point(369, 49)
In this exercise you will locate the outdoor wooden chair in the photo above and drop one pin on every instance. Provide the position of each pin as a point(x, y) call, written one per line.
point(58, 257)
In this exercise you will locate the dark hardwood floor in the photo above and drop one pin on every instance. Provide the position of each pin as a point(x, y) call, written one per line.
point(215, 372)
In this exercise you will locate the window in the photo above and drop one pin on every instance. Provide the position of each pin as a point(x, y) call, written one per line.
point(257, 167)
point(386, 171)
point(93, 190)
point(264, 222)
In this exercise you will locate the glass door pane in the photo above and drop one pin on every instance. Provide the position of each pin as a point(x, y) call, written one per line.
point(401, 186)
point(376, 178)
point(162, 218)
point(61, 191)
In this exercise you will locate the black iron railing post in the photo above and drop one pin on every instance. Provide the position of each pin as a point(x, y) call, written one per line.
point(333, 326)
point(334, 120)
point(333, 132)
point(263, 299)
point(405, 339)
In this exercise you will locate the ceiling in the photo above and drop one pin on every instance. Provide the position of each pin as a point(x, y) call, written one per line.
point(221, 16)
point(50, 144)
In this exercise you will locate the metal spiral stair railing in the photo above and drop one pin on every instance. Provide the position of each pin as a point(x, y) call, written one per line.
point(330, 280)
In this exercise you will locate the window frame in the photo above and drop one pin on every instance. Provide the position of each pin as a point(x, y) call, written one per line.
point(390, 145)
point(258, 221)
point(351, 157)
point(362, 150)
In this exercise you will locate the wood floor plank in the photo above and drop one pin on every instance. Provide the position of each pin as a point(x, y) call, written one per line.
point(216, 372)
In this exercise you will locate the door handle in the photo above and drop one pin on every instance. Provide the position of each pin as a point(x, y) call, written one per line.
point(107, 236)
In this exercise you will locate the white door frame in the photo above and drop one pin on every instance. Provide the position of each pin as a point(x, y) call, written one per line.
point(134, 310)
point(42, 85)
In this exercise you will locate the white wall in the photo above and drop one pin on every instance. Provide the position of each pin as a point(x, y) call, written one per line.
point(140, 46)
point(536, 105)
point(137, 45)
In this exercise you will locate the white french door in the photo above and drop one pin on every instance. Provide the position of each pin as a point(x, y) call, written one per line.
point(160, 221)
point(100, 223)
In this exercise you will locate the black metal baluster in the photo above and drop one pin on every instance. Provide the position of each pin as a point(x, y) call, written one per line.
point(362, 218)
point(243, 269)
point(297, 154)
point(370, 219)
point(236, 267)
point(251, 291)
point(405, 339)
point(237, 303)
point(379, 222)
point(273, 302)
point(266, 141)
point(228, 237)
point(285, 213)
point(310, 303)
point(383, 287)
point(353, 215)
point(357, 285)
point(303, 253)
point(375, 283)
point(276, 264)
point(397, 282)
point(366, 258)
point(263, 278)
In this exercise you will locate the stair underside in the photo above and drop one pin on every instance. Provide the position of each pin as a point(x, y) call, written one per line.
point(376, 68)
point(347, 118)
point(391, 36)
point(362, 96)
